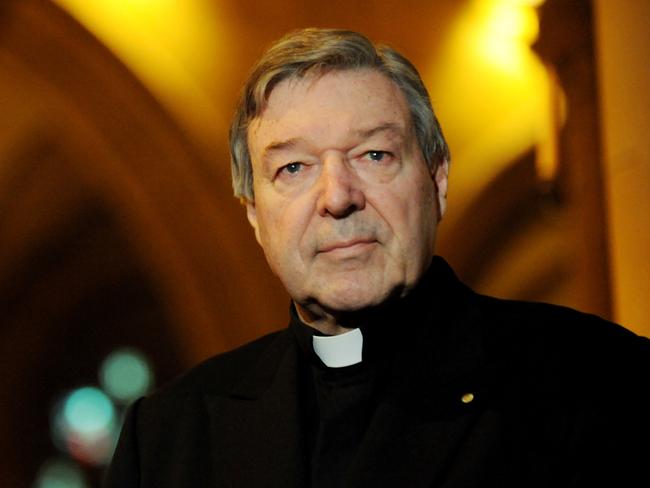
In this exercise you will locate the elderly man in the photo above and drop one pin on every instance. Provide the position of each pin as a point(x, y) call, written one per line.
point(391, 372)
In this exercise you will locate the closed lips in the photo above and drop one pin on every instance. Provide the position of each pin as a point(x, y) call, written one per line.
point(345, 244)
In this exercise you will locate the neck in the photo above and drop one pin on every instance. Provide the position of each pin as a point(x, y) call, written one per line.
point(322, 321)
point(335, 322)
point(332, 322)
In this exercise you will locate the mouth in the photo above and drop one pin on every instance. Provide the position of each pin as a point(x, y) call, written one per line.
point(351, 245)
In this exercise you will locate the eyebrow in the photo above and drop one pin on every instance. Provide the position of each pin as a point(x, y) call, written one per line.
point(280, 145)
point(391, 127)
point(385, 127)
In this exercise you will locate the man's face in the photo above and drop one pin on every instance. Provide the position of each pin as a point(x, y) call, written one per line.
point(345, 206)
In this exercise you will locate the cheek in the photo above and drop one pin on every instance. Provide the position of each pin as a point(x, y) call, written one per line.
point(282, 228)
point(422, 213)
point(420, 199)
point(268, 227)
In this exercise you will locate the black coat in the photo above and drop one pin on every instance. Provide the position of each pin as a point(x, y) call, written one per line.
point(558, 398)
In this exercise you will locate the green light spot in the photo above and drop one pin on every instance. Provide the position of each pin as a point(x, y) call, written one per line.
point(88, 412)
point(60, 474)
point(126, 375)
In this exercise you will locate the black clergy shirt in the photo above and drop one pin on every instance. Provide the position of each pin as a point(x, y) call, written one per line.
point(342, 403)
point(342, 400)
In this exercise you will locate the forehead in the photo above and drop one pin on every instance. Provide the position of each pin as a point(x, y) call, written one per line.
point(330, 104)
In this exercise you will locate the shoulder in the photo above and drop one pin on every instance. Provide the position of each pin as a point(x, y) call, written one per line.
point(556, 326)
point(219, 374)
point(174, 422)
point(562, 346)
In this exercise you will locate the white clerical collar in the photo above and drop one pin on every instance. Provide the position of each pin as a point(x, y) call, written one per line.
point(340, 350)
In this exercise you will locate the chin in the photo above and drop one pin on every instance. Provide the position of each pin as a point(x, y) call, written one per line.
point(351, 299)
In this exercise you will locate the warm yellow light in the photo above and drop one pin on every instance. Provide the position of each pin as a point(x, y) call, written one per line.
point(504, 31)
point(514, 22)
point(491, 91)
point(530, 3)
point(173, 46)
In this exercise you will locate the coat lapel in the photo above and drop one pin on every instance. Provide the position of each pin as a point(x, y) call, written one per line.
point(257, 438)
point(417, 454)
point(423, 442)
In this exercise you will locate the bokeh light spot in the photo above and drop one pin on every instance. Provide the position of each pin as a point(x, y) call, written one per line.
point(57, 473)
point(88, 410)
point(84, 425)
point(126, 375)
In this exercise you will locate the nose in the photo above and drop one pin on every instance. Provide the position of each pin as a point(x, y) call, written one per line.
point(340, 192)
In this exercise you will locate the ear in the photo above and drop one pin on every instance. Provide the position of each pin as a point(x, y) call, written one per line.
point(441, 178)
point(251, 213)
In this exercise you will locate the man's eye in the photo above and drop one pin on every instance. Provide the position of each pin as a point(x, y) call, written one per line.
point(291, 168)
point(376, 155)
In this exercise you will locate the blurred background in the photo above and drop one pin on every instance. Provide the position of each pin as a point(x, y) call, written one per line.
point(124, 259)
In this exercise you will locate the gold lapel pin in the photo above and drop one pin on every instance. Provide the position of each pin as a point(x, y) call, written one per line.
point(467, 398)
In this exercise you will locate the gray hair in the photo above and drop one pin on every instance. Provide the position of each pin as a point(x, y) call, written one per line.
point(319, 51)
